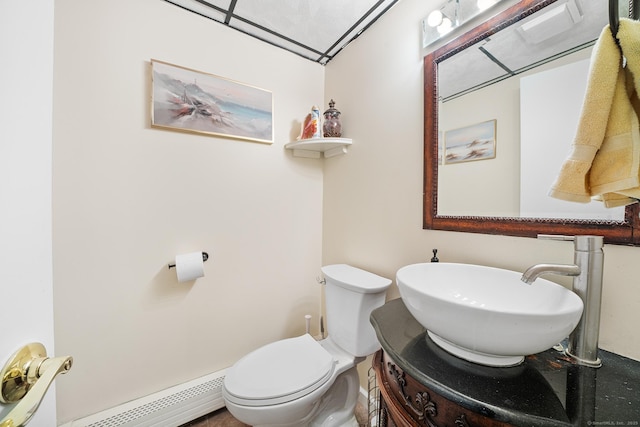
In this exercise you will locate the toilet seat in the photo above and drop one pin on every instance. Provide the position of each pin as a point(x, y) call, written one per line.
point(279, 372)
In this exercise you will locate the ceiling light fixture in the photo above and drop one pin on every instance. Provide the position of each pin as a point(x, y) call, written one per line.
point(451, 14)
point(435, 18)
point(445, 27)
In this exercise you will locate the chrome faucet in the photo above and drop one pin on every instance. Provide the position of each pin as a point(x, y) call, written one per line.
point(587, 284)
point(538, 270)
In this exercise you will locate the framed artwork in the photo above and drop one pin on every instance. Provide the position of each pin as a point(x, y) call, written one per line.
point(187, 100)
point(475, 142)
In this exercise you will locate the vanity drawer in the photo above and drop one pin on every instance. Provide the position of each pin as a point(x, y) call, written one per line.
point(409, 403)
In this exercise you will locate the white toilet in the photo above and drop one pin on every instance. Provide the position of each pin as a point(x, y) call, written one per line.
point(304, 382)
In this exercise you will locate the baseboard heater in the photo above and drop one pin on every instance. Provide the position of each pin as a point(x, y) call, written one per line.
point(168, 408)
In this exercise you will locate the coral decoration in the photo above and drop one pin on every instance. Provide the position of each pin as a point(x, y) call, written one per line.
point(310, 127)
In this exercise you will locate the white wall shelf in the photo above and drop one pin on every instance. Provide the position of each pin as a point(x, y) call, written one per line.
point(312, 148)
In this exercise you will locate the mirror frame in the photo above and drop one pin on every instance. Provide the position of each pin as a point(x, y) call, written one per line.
point(616, 232)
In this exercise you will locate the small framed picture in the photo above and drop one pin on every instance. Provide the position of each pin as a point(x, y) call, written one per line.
point(469, 143)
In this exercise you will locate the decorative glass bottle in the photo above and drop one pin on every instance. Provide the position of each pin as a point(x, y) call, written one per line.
point(332, 126)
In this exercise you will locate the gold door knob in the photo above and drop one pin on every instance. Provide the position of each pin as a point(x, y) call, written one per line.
point(26, 377)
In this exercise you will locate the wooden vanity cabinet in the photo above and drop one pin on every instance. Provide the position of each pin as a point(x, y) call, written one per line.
point(405, 402)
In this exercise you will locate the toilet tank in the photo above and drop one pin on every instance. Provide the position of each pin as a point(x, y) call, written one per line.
point(350, 296)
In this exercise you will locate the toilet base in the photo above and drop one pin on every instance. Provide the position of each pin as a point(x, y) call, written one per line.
point(338, 405)
point(334, 407)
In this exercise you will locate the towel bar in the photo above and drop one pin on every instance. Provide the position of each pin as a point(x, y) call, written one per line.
point(614, 15)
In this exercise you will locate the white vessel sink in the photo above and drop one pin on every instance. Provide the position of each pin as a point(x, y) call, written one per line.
point(487, 315)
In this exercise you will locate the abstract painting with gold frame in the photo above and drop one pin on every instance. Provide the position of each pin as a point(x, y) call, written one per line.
point(475, 142)
point(193, 101)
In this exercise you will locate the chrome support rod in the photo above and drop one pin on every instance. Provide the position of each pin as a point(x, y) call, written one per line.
point(587, 270)
point(583, 341)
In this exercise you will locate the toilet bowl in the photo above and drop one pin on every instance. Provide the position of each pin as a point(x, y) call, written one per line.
point(287, 383)
point(303, 382)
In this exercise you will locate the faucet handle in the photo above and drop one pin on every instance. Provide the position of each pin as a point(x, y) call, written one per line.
point(556, 237)
point(582, 242)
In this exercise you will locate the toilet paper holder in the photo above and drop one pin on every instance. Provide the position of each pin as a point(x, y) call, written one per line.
point(205, 256)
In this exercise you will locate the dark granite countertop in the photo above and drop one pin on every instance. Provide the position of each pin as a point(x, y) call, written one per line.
point(546, 390)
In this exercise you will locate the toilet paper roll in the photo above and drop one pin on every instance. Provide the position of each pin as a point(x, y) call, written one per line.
point(189, 266)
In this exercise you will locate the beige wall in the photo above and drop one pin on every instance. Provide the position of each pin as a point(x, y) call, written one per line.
point(128, 198)
point(498, 195)
point(373, 195)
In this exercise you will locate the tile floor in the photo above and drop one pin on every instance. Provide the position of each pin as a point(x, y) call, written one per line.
point(222, 418)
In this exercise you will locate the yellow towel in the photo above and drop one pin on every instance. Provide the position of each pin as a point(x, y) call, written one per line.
point(604, 162)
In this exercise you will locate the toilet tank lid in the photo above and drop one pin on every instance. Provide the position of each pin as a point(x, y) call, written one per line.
point(355, 279)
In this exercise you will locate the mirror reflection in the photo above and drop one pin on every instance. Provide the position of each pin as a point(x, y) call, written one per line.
point(508, 107)
point(501, 174)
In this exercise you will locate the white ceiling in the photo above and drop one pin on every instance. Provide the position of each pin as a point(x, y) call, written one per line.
point(509, 52)
point(314, 29)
